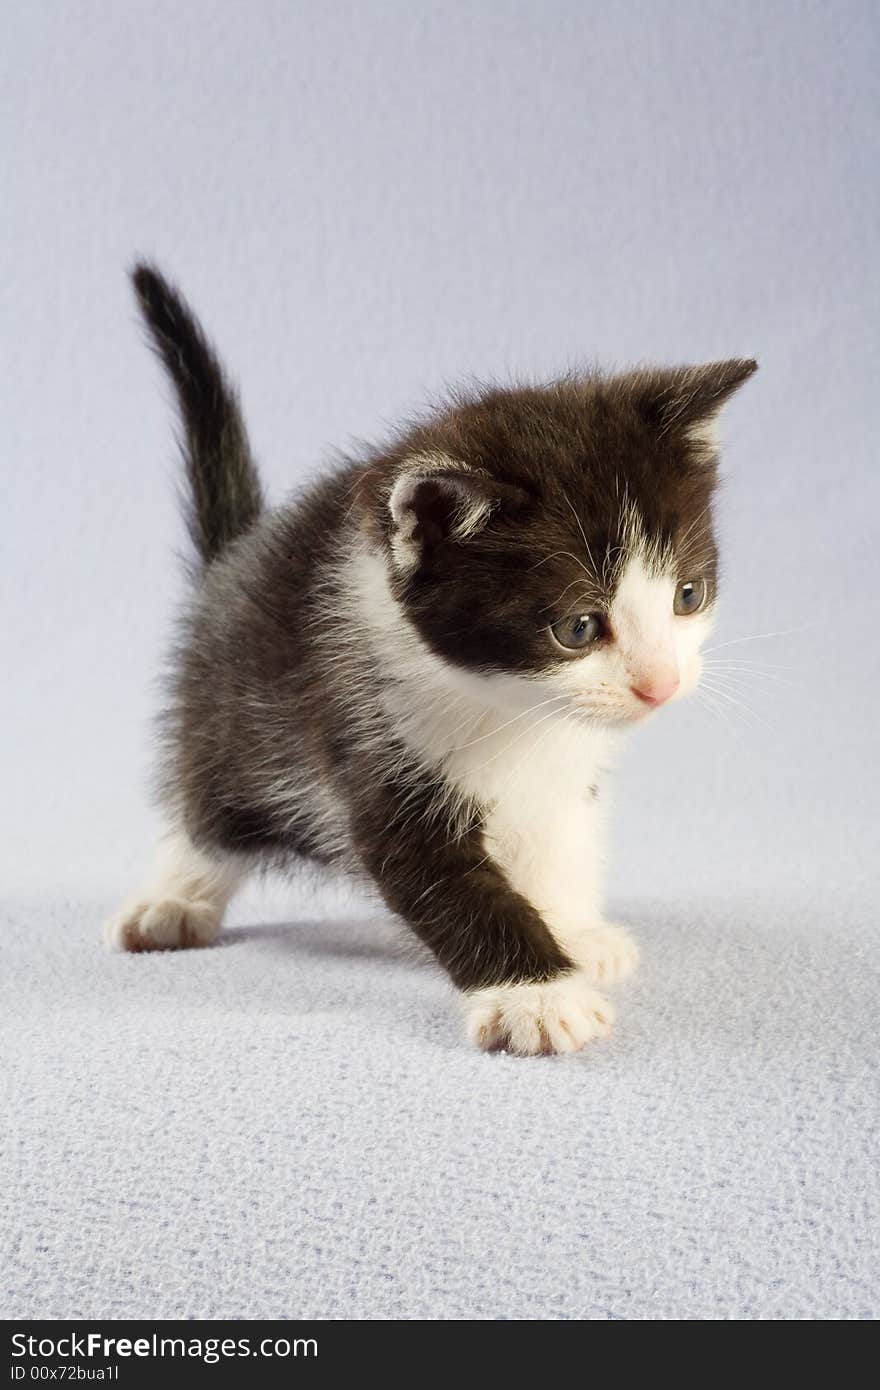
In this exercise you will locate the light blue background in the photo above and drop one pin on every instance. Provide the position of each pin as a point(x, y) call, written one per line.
point(365, 201)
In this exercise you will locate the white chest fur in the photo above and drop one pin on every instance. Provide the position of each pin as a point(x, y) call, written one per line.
point(539, 788)
point(505, 744)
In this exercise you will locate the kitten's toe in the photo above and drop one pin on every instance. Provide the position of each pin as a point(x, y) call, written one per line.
point(607, 954)
point(558, 1016)
point(163, 924)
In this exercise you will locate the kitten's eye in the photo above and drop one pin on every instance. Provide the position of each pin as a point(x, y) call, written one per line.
point(690, 597)
point(578, 631)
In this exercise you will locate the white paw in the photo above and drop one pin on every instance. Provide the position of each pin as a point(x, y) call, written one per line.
point(559, 1016)
point(163, 924)
point(606, 954)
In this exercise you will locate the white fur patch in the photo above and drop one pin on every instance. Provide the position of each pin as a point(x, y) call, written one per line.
point(643, 624)
point(605, 954)
point(703, 436)
point(183, 904)
point(559, 1016)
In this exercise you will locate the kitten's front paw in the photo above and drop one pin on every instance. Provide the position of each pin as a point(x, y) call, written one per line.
point(558, 1016)
point(606, 954)
point(163, 924)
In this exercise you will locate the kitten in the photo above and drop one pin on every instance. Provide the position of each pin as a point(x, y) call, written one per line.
point(419, 671)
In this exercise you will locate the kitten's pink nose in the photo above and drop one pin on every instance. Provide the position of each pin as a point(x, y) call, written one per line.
point(656, 690)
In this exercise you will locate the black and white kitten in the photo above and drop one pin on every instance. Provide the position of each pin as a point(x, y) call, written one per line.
point(418, 671)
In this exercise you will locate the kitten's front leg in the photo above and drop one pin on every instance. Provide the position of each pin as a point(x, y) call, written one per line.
point(554, 859)
point(524, 992)
point(606, 953)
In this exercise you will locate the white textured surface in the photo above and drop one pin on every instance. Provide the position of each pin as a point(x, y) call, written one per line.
point(290, 1125)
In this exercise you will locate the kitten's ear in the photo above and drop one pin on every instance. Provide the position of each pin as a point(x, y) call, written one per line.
point(690, 398)
point(437, 500)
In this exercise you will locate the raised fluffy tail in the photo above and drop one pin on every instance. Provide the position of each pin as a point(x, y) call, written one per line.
point(225, 497)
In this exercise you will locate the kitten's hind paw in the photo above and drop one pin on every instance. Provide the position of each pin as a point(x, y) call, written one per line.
point(558, 1016)
point(606, 954)
point(163, 924)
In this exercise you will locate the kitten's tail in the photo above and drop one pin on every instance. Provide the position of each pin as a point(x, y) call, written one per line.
point(225, 497)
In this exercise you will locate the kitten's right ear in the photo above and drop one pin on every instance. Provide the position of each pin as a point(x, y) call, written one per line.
point(687, 400)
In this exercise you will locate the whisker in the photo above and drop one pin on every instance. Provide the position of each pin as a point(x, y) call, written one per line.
point(761, 636)
point(753, 685)
point(738, 704)
point(745, 674)
point(696, 521)
point(583, 534)
point(529, 753)
point(737, 662)
point(721, 715)
point(532, 752)
point(588, 594)
point(497, 730)
point(545, 718)
point(555, 556)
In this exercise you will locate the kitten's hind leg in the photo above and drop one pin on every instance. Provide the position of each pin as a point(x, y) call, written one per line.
point(183, 903)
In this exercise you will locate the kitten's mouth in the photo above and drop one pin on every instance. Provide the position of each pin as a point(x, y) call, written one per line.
point(614, 711)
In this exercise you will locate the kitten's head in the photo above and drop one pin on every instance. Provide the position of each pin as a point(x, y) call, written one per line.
point(562, 535)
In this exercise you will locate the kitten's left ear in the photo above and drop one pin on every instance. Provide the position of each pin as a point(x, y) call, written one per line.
point(437, 499)
point(691, 397)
